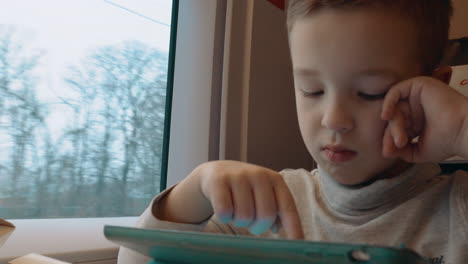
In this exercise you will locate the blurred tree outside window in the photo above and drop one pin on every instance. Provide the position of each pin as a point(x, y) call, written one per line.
point(82, 105)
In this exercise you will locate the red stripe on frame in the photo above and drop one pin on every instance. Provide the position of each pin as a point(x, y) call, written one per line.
point(278, 3)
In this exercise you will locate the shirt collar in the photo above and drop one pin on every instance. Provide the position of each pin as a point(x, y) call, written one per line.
point(381, 194)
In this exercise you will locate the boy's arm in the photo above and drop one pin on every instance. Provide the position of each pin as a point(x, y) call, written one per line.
point(463, 150)
point(185, 203)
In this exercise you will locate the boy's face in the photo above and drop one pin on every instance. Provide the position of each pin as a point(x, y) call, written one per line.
point(344, 62)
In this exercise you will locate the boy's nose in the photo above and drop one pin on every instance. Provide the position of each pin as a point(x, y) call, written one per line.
point(337, 118)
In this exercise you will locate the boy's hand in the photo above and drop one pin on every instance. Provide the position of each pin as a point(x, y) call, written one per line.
point(250, 196)
point(429, 109)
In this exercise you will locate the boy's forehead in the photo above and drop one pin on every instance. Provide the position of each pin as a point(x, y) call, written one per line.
point(366, 43)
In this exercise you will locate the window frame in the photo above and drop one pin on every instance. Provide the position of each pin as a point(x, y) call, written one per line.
point(194, 133)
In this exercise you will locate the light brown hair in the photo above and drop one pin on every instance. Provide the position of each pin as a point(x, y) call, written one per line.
point(431, 18)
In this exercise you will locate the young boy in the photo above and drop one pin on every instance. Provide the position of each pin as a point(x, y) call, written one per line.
point(371, 121)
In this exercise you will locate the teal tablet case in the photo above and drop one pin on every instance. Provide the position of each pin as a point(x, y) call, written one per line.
point(174, 247)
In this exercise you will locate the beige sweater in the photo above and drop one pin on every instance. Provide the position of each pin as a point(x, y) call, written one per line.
point(421, 209)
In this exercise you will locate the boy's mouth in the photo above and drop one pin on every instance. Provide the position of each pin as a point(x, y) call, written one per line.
point(338, 153)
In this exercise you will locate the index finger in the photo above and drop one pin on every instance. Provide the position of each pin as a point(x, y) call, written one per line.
point(400, 91)
point(287, 212)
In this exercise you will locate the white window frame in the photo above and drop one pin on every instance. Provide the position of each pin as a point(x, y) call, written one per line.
point(194, 138)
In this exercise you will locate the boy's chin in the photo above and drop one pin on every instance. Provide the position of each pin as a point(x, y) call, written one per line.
point(352, 180)
point(356, 177)
point(347, 176)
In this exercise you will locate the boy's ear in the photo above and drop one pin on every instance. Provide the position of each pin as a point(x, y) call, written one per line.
point(443, 73)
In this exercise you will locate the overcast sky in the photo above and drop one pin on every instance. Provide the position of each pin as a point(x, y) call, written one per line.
point(67, 30)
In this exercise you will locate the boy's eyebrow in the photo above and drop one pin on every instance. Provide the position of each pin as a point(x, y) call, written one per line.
point(365, 73)
point(379, 73)
point(305, 72)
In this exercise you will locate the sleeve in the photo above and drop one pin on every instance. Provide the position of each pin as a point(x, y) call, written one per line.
point(148, 220)
point(461, 183)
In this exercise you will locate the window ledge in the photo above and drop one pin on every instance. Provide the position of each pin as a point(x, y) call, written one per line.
point(74, 240)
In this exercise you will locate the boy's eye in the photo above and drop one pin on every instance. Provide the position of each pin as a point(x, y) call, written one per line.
point(312, 94)
point(372, 97)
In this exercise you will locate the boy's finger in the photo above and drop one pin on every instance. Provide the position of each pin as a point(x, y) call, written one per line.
point(398, 129)
point(405, 109)
point(261, 225)
point(265, 205)
point(388, 144)
point(221, 201)
point(389, 104)
point(417, 116)
point(287, 212)
point(400, 91)
point(244, 209)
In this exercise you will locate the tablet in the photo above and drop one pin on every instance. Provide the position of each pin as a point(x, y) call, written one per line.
point(177, 247)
